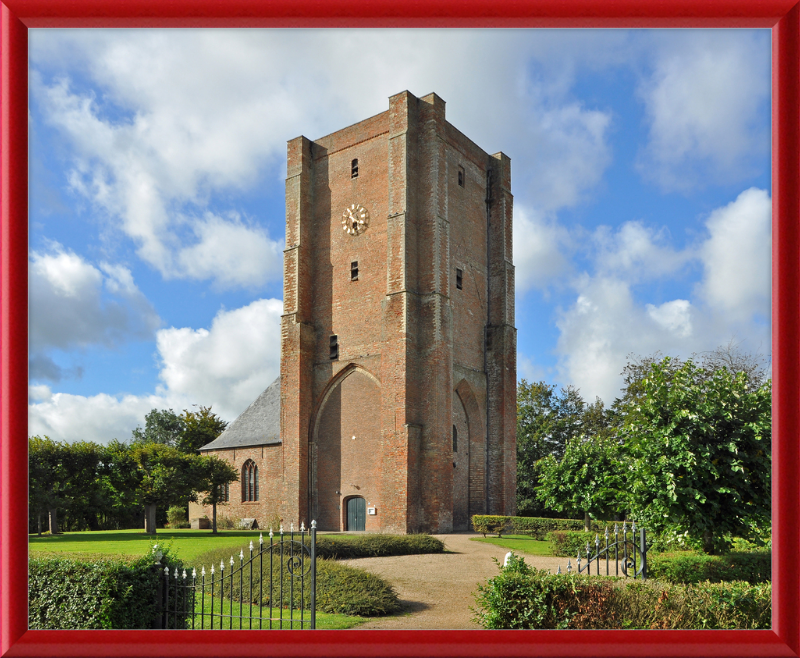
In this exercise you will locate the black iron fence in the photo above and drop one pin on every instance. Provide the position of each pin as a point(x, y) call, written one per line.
point(273, 588)
point(623, 553)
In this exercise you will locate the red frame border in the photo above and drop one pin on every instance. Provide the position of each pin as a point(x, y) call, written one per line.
point(782, 16)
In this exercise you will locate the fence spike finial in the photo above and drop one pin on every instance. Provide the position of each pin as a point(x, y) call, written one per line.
point(251, 545)
point(270, 532)
point(212, 570)
point(194, 572)
point(261, 537)
point(221, 565)
point(184, 574)
point(558, 573)
point(302, 527)
point(166, 571)
point(281, 528)
point(241, 553)
point(569, 566)
point(203, 571)
point(231, 561)
point(291, 527)
point(176, 572)
point(313, 524)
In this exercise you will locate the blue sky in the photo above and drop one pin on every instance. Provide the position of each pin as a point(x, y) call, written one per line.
point(640, 173)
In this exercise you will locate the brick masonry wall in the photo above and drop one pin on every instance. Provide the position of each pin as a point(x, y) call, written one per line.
point(268, 459)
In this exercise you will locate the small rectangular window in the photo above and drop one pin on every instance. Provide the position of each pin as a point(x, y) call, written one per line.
point(334, 347)
point(354, 168)
point(488, 339)
point(461, 176)
point(459, 279)
point(354, 271)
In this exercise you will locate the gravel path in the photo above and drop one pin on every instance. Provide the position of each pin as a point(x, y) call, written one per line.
point(437, 590)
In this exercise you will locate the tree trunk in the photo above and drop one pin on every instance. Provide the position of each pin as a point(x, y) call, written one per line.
point(39, 522)
point(708, 542)
point(586, 522)
point(150, 518)
point(214, 519)
point(53, 519)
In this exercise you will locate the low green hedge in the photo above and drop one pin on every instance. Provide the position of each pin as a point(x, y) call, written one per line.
point(689, 567)
point(337, 547)
point(70, 594)
point(569, 543)
point(535, 527)
point(525, 597)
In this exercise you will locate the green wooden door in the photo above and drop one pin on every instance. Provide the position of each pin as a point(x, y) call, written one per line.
point(356, 514)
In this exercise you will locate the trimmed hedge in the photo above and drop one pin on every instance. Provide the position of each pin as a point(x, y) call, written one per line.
point(568, 543)
point(336, 547)
point(536, 527)
point(529, 598)
point(71, 594)
point(686, 567)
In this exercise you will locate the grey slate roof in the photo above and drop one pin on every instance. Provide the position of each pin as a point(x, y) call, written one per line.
point(258, 425)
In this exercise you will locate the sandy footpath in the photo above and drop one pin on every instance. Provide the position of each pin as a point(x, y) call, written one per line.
point(437, 590)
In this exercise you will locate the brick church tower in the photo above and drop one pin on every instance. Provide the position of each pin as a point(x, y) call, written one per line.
point(398, 346)
point(395, 410)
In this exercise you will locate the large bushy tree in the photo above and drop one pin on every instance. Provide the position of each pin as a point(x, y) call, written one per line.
point(548, 418)
point(698, 440)
point(162, 426)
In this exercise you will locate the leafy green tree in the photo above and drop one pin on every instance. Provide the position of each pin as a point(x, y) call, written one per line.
point(167, 477)
point(161, 426)
point(698, 441)
point(199, 428)
point(61, 476)
point(547, 419)
point(213, 475)
point(589, 477)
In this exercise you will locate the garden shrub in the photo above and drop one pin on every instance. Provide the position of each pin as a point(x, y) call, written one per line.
point(103, 593)
point(538, 528)
point(690, 567)
point(525, 597)
point(567, 543)
point(336, 547)
point(176, 517)
point(484, 523)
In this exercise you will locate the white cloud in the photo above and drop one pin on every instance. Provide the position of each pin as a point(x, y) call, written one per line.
point(230, 252)
point(229, 364)
point(705, 101)
point(73, 304)
point(539, 249)
point(636, 252)
point(226, 367)
point(736, 256)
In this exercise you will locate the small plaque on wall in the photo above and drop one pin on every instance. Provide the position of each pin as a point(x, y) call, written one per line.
point(371, 511)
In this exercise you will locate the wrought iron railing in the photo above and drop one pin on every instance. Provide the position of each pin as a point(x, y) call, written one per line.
point(625, 554)
point(286, 574)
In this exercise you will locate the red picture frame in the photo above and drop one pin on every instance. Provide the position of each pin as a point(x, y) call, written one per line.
point(782, 16)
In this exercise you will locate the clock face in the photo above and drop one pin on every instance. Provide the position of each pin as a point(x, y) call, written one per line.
point(355, 219)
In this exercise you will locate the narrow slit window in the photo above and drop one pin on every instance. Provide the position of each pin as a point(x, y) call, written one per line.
point(334, 347)
point(461, 176)
point(354, 271)
point(354, 168)
point(459, 279)
point(455, 439)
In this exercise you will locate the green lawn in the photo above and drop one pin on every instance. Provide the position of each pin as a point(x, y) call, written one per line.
point(520, 543)
point(183, 544)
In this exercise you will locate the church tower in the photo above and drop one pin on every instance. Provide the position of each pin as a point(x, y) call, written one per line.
point(398, 346)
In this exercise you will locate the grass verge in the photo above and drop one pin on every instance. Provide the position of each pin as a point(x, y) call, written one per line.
point(519, 543)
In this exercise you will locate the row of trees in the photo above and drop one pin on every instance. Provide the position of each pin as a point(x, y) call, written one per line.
point(108, 486)
point(686, 448)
